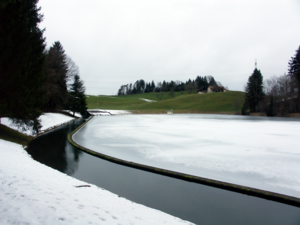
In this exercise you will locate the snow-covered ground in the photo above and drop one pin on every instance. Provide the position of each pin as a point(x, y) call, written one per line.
point(257, 152)
point(48, 121)
point(32, 193)
point(76, 113)
point(147, 100)
point(108, 112)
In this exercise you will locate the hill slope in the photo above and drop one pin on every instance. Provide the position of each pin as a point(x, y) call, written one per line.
point(222, 102)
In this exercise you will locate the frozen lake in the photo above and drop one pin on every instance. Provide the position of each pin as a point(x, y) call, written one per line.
point(257, 152)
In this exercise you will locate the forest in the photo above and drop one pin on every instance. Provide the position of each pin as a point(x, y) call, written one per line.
point(140, 86)
point(34, 79)
point(276, 96)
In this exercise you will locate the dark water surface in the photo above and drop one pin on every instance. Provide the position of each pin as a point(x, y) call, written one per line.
point(196, 203)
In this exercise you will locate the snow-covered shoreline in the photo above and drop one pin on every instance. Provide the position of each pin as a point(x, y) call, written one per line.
point(48, 122)
point(108, 112)
point(32, 193)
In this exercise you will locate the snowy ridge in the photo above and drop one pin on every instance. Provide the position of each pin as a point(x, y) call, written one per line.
point(32, 193)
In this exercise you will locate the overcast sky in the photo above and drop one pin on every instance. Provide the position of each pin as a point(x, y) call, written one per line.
point(117, 42)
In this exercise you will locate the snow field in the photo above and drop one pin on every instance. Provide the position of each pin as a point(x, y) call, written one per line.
point(32, 193)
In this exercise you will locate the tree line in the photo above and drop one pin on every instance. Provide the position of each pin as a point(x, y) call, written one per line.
point(276, 96)
point(34, 79)
point(140, 86)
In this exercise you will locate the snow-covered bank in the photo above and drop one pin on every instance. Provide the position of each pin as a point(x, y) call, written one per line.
point(32, 193)
point(108, 112)
point(48, 121)
point(76, 113)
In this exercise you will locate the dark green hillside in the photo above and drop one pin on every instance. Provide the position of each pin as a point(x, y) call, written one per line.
point(221, 102)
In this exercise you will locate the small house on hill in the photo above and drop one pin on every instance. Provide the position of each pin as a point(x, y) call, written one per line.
point(202, 90)
point(212, 89)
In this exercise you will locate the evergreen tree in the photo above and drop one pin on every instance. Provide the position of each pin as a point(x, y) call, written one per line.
point(254, 90)
point(152, 86)
point(212, 81)
point(57, 76)
point(294, 66)
point(205, 82)
point(271, 108)
point(22, 57)
point(294, 72)
point(245, 108)
point(77, 98)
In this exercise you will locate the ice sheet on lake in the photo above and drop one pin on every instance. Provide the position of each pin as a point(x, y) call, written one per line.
point(258, 152)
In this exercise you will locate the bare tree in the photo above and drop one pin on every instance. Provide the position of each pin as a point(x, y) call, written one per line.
point(279, 92)
point(172, 92)
point(160, 95)
point(158, 87)
point(189, 87)
point(219, 84)
point(73, 69)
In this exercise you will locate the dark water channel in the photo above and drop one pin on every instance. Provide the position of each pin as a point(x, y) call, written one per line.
point(196, 203)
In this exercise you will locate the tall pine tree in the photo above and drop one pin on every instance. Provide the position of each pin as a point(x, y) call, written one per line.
point(294, 72)
point(294, 66)
point(254, 91)
point(77, 99)
point(22, 57)
point(57, 76)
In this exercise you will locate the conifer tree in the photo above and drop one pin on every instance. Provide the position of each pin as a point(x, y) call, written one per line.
point(77, 99)
point(254, 91)
point(152, 86)
point(57, 76)
point(294, 65)
point(294, 72)
point(22, 57)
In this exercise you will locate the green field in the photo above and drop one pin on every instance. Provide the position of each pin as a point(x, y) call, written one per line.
point(222, 102)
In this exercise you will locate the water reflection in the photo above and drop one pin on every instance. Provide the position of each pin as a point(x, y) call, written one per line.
point(54, 150)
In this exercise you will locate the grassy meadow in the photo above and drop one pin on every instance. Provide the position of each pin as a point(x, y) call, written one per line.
point(222, 102)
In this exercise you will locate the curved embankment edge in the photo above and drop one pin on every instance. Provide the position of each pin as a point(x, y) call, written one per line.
point(53, 128)
point(210, 182)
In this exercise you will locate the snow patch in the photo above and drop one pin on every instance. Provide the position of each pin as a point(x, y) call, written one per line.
point(105, 112)
point(76, 113)
point(147, 100)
